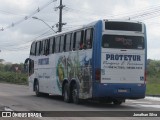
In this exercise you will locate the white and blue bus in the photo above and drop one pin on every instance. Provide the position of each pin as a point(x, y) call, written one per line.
point(104, 60)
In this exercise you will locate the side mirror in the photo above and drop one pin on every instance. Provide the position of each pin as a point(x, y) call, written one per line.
point(26, 64)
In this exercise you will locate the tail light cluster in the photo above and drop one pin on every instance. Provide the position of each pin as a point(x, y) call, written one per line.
point(98, 75)
point(145, 77)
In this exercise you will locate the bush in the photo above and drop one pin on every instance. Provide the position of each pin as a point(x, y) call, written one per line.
point(12, 77)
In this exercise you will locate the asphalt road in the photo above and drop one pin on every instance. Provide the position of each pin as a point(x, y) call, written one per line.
point(19, 98)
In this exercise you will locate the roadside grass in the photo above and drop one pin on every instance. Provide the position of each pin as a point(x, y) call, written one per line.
point(153, 85)
point(153, 89)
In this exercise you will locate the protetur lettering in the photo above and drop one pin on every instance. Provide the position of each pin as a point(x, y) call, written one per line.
point(123, 57)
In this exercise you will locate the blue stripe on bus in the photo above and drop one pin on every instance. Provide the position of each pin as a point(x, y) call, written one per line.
point(145, 46)
point(96, 55)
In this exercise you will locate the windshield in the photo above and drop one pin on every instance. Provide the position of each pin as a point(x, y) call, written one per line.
point(122, 42)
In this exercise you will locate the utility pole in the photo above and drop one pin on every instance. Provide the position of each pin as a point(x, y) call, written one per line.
point(60, 24)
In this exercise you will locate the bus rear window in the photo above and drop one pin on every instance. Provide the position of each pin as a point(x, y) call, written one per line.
point(124, 26)
point(122, 42)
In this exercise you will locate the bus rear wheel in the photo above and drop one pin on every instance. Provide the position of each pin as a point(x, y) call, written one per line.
point(75, 94)
point(66, 97)
point(117, 102)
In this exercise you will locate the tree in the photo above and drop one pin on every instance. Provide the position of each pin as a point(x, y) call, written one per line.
point(2, 60)
point(153, 67)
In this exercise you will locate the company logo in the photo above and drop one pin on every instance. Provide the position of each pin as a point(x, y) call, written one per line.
point(123, 57)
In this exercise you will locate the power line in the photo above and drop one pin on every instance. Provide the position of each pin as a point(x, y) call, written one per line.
point(10, 13)
point(27, 17)
point(143, 14)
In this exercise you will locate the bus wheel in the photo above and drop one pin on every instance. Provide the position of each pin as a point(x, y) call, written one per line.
point(75, 94)
point(66, 93)
point(38, 94)
point(117, 102)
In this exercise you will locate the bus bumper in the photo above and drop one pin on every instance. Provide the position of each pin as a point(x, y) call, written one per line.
point(122, 91)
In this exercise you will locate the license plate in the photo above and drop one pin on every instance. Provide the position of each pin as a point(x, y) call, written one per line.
point(122, 90)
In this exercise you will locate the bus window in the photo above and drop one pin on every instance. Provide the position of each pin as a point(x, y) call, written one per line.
point(33, 49)
point(78, 39)
point(122, 42)
point(46, 47)
point(68, 42)
point(64, 46)
point(81, 44)
point(38, 48)
point(61, 46)
point(51, 47)
point(72, 42)
point(42, 47)
point(124, 26)
point(88, 38)
point(31, 67)
point(57, 44)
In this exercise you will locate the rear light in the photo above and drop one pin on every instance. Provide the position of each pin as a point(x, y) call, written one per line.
point(145, 77)
point(98, 74)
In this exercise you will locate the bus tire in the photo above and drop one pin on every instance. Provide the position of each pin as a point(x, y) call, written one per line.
point(38, 94)
point(117, 102)
point(66, 97)
point(75, 94)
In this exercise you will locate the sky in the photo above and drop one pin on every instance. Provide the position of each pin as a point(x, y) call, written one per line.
point(18, 29)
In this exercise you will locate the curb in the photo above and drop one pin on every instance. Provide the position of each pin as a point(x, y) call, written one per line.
point(153, 95)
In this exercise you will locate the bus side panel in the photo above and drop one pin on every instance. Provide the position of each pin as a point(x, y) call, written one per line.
point(96, 55)
point(74, 65)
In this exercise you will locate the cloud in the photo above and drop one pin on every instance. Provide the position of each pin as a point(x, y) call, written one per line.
point(154, 52)
point(16, 5)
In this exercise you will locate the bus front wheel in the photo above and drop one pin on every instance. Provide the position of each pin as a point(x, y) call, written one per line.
point(38, 94)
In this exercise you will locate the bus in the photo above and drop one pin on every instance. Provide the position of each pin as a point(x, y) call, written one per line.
point(104, 60)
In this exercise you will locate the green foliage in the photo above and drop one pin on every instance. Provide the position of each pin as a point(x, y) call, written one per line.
point(12, 77)
point(8, 73)
point(153, 67)
point(153, 89)
point(153, 77)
